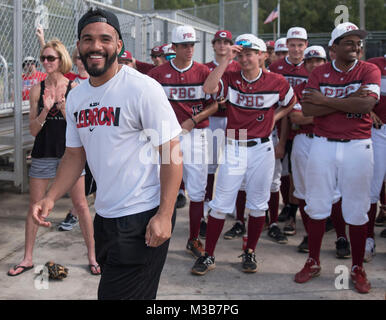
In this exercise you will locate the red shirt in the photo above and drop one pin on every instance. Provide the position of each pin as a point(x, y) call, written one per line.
point(306, 128)
point(144, 67)
point(332, 82)
point(75, 77)
point(29, 81)
point(380, 108)
point(233, 66)
point(295, 74)
point(184, 89)
point(252, 103)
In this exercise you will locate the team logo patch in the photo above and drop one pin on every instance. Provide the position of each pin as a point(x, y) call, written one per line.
point(260, 118)
point(326, 75)
point(168, 76)
point(280, 67)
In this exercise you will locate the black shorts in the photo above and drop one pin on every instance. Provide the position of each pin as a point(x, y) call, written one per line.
point(90, 185)
point(130, 269)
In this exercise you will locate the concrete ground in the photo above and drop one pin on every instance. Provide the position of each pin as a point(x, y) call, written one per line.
point(277, 264)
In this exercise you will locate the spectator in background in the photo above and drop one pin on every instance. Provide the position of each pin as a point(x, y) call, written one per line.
point(281, 49)
point(31, 76)
point(82, 73)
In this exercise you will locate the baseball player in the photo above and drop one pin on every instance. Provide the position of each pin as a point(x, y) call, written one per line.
point(341, 155)
point(182, 80)
point(378, 137)
point(249, 156)
point(292, 68)
point(281, 49)
point(217, 124)
point(271, 56)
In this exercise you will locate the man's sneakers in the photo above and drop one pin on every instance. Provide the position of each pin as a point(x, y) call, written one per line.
point(370, 249)
point(237, 231)
point(181, 201)
point(303, 246)
point(343, 248)
point(249, 264)
point(195, 248)
point(359, 278)
point(203, 264)
point(290, 227)
point(68, 223)
point(275, 233)
point(310, 270)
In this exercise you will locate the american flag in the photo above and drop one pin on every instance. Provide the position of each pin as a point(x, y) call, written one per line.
point(272, 16)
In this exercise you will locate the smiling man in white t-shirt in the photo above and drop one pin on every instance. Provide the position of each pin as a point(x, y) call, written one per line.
point(117, 120)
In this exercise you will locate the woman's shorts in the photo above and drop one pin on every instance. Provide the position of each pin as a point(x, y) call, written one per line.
point(45, 168)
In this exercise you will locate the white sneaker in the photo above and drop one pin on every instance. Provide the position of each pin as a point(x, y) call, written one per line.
point(370, 249)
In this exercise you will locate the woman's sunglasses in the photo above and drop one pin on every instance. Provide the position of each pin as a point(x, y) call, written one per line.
point(49, 58)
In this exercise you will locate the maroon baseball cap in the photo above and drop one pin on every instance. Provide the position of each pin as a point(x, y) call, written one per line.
point(126, 56)
point(223, 35)
point(157, 51)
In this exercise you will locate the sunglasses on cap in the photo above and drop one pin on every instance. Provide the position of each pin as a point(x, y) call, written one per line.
point(49, 58)
point(244, 43)
point(170, 57)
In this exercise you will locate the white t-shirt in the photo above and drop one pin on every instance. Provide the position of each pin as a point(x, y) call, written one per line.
point(119, 124)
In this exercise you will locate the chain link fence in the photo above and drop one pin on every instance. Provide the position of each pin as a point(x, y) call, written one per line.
point(140, 32)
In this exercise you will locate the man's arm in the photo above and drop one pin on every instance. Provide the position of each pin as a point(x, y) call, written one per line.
point(69, 171)
point(351, 104)
point(299, 119)
point(159, 228)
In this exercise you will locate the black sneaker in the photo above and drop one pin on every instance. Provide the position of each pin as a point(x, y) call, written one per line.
point(283, 216)
point(249, 263)
point(290, 227)
point(203, 264)
point(195, 248)
point(238, 230)
point(203, 226)
point(68, 223)
point(303, 246)
point(275, 233)
point(181, 201)
point(343, 248)
point(383, 233)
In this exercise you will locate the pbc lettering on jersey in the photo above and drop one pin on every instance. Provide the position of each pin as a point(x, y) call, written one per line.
point(294, 80)
point(342, 91)
point(262, 101)
point(184, 93)
point(99, 116)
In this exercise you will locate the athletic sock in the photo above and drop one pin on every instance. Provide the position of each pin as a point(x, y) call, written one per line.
point(273, 205)
point(303, 214)
point(338, 221)
point(209, 187)
point(240, 205)
point(292, 211)
point(213, 231)
point(255, 227)
point(316, 230)
point(285, 188)
point(358, 236)
point(371, 223)
point(196, 211)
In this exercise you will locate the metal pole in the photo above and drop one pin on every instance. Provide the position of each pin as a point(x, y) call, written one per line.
point(221, 14)
point(278, 20)
point(362, 19)
point(17, 110)
point(254, 12)
point(138, 5)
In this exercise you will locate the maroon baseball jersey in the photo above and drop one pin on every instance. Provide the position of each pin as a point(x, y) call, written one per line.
point(295, 74)
point(251, 104)
point(184, 89)
point(233, 66)
point(144, 67)
point(334, 83)
point(380, 108)
point(306, 128)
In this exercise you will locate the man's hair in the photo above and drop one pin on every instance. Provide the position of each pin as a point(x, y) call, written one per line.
point(65, 63)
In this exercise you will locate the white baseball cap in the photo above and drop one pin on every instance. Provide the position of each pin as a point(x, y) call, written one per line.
point(315, 52)
point(167, 49)
point(330, 43)
point(250, 41)
point(297, 33)
point(281, 45)
point(346, 29)
point(184, 34)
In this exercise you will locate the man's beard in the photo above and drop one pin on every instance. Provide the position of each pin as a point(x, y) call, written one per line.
point(94, 71)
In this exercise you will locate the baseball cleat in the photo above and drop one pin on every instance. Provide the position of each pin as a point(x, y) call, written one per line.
point(203, 264)
point(359, 278)
point(310, 270)
point(343, 248)
point(237, 231)
point(249, 264)
point(195, 248)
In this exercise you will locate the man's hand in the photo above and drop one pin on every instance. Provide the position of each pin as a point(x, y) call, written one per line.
point(41, 210)
point(313, 97)
point(187, 125)
point(377, 122)
point(361, 92)
point(158, 230)
point(279, 151)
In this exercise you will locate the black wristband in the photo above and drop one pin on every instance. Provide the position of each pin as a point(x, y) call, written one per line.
point(194, 121)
